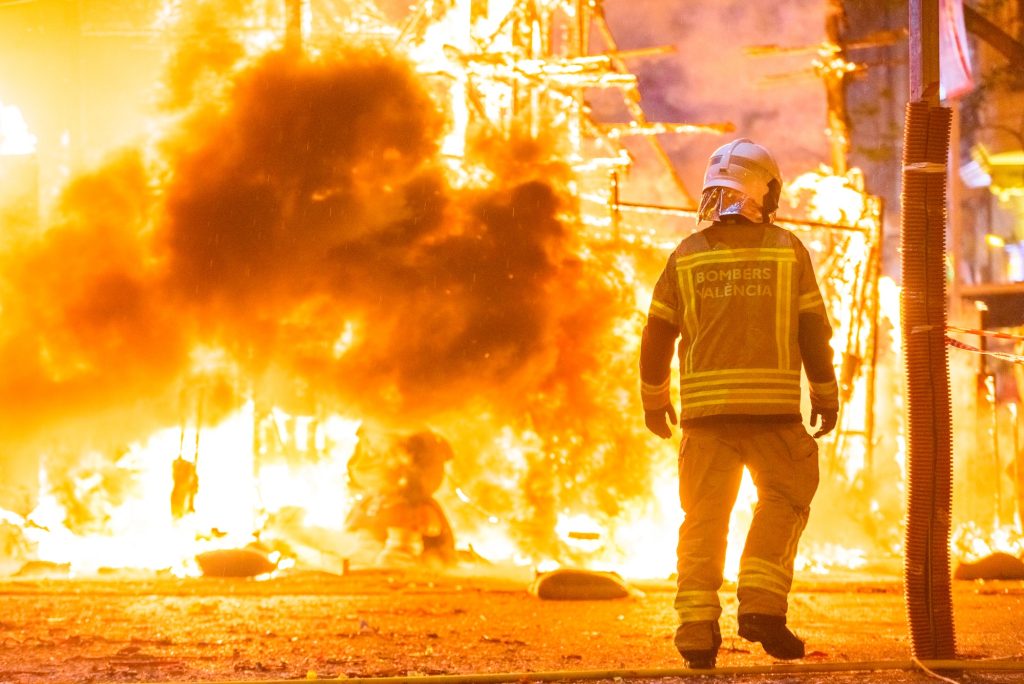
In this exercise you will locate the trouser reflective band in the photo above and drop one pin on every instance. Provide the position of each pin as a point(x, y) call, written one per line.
point(756, 573)
point(697, 606)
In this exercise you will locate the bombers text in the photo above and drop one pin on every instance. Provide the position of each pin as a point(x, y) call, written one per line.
point(734, 282)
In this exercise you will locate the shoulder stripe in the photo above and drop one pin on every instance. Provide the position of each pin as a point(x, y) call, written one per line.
point(745, 373)
point(778, 254)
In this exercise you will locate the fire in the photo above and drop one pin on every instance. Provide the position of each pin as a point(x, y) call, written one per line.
point(15, 136)
point(474, 310)
point(132, 527)
point(972, 542)
point(420, 238)
point(833, 199)
point(830, 556)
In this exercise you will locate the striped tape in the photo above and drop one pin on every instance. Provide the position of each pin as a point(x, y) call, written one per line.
point(985, 333)
point(1005, 356)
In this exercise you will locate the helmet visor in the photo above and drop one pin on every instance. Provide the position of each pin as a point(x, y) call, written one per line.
point(717, 202)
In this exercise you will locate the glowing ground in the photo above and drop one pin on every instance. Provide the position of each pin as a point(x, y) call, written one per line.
point(377, 623)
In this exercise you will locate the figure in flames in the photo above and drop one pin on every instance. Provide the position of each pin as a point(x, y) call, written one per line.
point(395, 477)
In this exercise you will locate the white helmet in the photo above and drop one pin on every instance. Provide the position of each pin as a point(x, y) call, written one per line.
point(741, 179)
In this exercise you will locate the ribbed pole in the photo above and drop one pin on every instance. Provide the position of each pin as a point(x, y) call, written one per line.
point(927, 581)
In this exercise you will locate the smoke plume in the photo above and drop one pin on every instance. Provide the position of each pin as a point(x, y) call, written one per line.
point(297, 221)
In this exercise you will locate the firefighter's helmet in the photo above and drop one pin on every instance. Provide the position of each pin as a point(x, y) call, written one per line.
point(741, 179)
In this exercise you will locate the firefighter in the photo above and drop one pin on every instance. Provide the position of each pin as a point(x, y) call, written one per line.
point(741, 297)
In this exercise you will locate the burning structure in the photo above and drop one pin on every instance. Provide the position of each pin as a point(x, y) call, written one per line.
point(329, 231)
point(305, 247)
point(344, 220)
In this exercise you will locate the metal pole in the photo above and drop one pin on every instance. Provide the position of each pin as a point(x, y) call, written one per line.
point(985, 414)
point(993, 428)
point(956, 224)
point(1015, 414)
point(871, 377)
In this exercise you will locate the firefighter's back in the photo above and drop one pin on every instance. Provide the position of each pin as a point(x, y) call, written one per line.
point(739, 352)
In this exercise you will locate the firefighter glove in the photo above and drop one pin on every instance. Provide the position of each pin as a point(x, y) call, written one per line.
point(657, 420)
point(827, 418)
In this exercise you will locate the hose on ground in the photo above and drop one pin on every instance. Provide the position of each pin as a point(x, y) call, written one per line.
point(926, 666)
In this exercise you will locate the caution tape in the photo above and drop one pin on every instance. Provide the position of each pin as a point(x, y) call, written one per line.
point(1005, 356)
point(986, 333)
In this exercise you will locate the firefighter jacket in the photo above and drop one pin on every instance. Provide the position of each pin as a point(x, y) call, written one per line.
point(744, 303)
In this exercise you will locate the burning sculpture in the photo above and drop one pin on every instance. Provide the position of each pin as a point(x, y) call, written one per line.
point(395, 481)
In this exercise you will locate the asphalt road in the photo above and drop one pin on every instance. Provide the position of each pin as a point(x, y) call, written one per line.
point(375, 623)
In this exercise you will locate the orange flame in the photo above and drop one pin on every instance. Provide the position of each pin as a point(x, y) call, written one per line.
point(15, 136)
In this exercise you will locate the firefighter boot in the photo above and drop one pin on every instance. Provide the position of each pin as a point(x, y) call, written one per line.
point(699, 659)
point(773, 634)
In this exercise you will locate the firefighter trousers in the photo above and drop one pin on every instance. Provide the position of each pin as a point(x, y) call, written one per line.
point(783, 463)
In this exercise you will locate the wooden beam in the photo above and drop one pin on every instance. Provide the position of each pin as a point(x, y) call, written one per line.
point(924, 51)
point(998, 39)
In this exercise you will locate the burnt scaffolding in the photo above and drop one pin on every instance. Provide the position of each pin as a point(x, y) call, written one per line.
point(523, 65)
point(532, 64)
